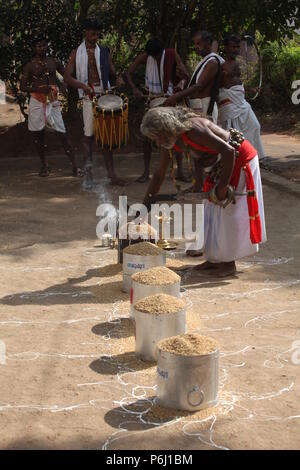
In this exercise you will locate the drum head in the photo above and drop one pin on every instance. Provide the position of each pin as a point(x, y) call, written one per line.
point(110, 102)
point(157, 101)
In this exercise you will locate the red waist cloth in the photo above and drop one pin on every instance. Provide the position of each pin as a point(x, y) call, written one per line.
point(169, 68)
point(195, 146)
point(246, 153)
point(44, 97)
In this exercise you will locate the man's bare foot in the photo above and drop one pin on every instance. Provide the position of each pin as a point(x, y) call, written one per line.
point(183, 178)
point(207, 266)
point(194, 253)
point(44, 171)
point(144, 178)
point(115, 181)
point(77, 172)
point(216, 269)
point(87, 183)
point(226, 269)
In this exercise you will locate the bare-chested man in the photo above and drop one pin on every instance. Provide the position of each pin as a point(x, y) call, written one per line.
point(93, 68)
point(231, 231)
point(201, 95)
point(39, 79)
point(234, 110)
point(162, 68)
point(203, 86)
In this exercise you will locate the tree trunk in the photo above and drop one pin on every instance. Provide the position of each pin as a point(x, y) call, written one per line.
point(84, 9)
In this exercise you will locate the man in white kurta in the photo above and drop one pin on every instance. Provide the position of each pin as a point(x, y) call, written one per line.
point(234, 110)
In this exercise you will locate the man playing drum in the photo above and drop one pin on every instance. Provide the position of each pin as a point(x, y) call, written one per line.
point(93, 68)
point(162, 67)
point(231, 231)
point(39, 79)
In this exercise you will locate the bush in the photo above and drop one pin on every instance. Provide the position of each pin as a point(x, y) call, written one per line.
point(281, 66)
point(119, 49)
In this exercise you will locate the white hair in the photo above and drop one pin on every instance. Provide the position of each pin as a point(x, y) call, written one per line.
point(169, 121)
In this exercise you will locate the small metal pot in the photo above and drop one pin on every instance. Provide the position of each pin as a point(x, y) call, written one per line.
point(133, 264)
point(139, 291)
point(187, 382)
point(106, 240)
point(152, 328)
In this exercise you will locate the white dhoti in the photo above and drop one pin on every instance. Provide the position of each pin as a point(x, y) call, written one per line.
point(43, 115)
point(201, 105)
point(88, 113)
point(237, 112)
point(88, 117)
point(227, 231)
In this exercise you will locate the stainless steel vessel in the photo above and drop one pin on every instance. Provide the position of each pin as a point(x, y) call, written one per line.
point(150, 329)
point(139, 291)
point(133, 264)
point(187, 382)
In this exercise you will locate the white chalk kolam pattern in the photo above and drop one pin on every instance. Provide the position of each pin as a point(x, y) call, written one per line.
point(222, 315)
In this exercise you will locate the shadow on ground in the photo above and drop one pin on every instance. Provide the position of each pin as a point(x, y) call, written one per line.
point(119, 328)
point(120, 364)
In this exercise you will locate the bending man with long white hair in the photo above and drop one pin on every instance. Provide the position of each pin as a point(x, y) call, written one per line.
point(231, 231)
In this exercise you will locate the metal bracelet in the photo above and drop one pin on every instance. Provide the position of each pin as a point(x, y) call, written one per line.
point(229, 197)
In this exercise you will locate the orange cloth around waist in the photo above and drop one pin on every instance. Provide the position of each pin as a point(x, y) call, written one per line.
point(193, 145)
point(223, 102)
point(45, 97)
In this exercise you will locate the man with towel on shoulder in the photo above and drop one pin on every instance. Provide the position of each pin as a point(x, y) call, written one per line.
point(234, 110)
point(93, 68)
point(202, 91)
point(163, 65)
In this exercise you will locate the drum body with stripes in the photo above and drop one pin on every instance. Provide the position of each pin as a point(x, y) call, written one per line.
point(111, 121)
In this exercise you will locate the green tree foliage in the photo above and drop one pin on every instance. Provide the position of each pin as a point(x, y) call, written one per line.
point(281, 67)
point(127, 24)
point(25, 20)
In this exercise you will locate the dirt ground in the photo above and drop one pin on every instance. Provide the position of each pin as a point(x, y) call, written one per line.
point(69, 376)
point(282, 155)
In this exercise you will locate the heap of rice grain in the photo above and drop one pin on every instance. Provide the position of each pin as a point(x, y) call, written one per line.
point(159, 304)
point(143, 249)
point(156, 276)
point(189, 345)
point(160, 414)
point(134, 231)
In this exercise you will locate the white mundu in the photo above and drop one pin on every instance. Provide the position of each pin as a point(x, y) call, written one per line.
point(41, 115)
point(236, 112)
point(82, 76)
point(226, 231)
